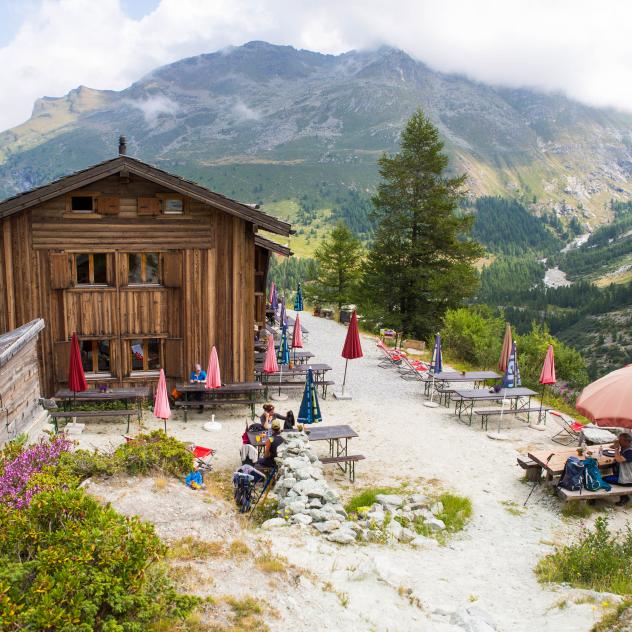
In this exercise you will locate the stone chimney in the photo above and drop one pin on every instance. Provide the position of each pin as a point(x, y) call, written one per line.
point(122, 146)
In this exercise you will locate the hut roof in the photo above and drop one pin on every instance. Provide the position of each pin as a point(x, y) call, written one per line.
point(128, 164)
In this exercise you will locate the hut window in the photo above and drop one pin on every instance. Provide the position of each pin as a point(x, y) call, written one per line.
point(82, 204)
point(173, 206)
point(145, 354)
point(95, 356)
point(143, 268)
point(91, 269)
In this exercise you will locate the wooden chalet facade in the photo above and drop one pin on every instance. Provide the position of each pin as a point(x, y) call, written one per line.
point(149, 269)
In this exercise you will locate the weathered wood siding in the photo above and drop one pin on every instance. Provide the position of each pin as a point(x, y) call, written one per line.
point(19, 392)
point(206, 298)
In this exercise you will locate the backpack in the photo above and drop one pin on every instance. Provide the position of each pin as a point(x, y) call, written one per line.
point(573, 475)
point(592, 476)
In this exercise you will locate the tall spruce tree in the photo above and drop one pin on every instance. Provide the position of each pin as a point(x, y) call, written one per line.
point(339, 267)
point(420, 262)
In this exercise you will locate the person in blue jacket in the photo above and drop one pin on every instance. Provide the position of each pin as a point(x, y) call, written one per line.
point(198, 376)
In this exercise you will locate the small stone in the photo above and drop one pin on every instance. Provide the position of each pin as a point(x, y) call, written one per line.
point(394, 529)
point(377, 517)
point(318, 515)
point(315, 503)
point(341, 536)
point(418, 499)
point(434, 524)
point(327, 527)
point(420, 541)
point(274, 522)
point(473, 619)
point(389, 500)
point(302, 519)
point(407, 535)
point(298, 506)
point(437, 508)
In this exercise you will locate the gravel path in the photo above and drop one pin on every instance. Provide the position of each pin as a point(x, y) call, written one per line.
point(489, 566)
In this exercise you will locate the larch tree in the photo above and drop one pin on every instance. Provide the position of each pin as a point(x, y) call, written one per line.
point(339, 259)
point(420, 261)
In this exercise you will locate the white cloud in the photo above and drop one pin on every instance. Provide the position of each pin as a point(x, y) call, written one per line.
point(154, 107)
point(580, 47)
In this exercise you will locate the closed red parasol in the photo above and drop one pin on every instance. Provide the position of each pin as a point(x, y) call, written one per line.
point(297, 336)
point(162, 410)
point(547, 376)
point(351, 350)
point(76, 377)
point(213, 378)
point(270, 364)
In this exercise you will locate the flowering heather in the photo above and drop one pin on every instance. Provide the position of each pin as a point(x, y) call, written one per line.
point(15, 476)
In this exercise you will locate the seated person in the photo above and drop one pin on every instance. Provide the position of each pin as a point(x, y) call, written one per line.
point(269, 415)
point(623, 464)
point(289, 421)
point(272, 445)
point(198, 376)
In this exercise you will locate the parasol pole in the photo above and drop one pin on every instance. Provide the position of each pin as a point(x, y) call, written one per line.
point(344, 379)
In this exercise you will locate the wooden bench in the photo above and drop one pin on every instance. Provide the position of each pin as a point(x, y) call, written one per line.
point(212, 403)
point(616, 492)
point(485, 414)
point(270, 386)
point(533, 471)
point(92, 414)
point(348, 460)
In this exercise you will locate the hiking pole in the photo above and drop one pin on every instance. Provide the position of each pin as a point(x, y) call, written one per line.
point(537, 482)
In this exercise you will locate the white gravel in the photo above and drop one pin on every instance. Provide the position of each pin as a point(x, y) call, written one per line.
point(489, 565)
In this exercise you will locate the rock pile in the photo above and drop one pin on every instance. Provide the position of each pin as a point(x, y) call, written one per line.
point(392, 518)
point(304, 496)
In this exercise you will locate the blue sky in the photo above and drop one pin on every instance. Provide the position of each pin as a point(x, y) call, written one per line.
point(582, 48)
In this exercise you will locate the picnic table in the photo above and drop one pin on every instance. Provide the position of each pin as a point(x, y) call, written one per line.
point(296, 376)
point(479, 378)
point(298, 357)
point(238, 393)
point(553, 461)
point(337, 438)
point(466, 399)
point(133, 397)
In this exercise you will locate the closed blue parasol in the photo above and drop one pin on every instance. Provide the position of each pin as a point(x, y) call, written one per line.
point(298, 299)
point(274, 299)
point(283, 355)
point(436, 366)
point(511, 379)
point(309, 412)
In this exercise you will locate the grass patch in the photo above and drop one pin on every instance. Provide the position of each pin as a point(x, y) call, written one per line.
point(238, 548)
point(576, 509)
point(192, 548)
point(271, 564)
point(599, 560)
point(457, 510)
point(366, 497)
point(619, 620)
point(513, 508)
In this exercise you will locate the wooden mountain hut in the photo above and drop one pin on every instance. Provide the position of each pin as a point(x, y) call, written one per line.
point(148, 268)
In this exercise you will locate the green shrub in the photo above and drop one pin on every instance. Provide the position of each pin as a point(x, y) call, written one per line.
point(474, 335)
point(154, 451)
point(598, 560)
point(68, 563)
point(457, 510)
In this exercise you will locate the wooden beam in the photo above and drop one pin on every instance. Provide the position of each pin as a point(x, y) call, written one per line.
point(8, 272)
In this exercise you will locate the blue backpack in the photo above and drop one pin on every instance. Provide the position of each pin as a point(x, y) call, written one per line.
point(592, 476)
point(573, 475)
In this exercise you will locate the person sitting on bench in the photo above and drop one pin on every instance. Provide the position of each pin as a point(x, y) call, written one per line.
point(272, 445)
point(268, 416)
point(623, 465)
point(198, 376)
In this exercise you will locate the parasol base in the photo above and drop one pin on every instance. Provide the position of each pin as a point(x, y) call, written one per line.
point(497, 436)
point(279, 397)
point(431, 404)
point(344, 395)
point(74, 428)
point(539, 427)
point(212, 426)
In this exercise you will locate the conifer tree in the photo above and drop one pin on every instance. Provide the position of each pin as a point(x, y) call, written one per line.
point(420, 262)
point(339, 259)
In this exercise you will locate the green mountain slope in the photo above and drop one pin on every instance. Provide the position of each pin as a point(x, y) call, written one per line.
point(299, 131)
